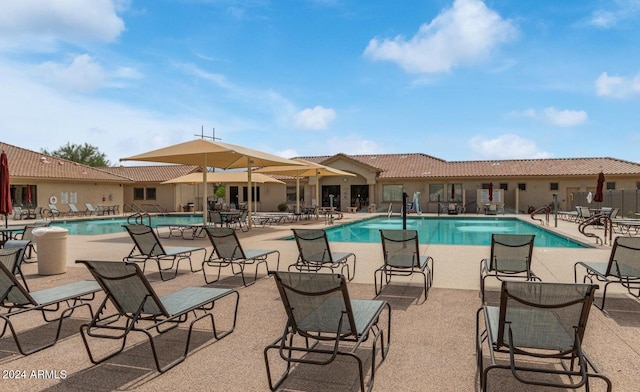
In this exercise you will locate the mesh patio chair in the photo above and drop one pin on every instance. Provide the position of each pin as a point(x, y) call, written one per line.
point(137, 308)
point(14, 262)
point(510, 258)
point(27, 235)
point(623, 268)
point(324, 323)
point(314, 254)
point(17, 301)
point(148, 247)
point(227, 251)
point(539, 325)
point(51, 212)
point(401, 253)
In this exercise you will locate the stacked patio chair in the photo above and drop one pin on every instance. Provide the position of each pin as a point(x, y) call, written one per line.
point(323, 323)
point(132, 305)
point(622, 268)
point(227, 251)
point(401, 253)
point(147, 247)
point(314, 254)
point(60, 301)
point(510, 259)
point(536, 332)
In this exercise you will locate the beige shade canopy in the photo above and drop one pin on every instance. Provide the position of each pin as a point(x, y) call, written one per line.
point(206, 153)
point(224, 177)
point(308, 169)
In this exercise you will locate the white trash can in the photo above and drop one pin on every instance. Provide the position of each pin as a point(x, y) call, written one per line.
point(52, 250)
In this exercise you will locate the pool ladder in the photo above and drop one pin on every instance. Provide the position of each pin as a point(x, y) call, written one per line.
point(139, 218)
point(600, 219)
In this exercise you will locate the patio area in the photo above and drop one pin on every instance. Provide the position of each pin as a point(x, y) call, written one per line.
point(432, 343)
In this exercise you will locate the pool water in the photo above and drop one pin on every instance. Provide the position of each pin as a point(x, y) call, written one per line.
point(449, 231)
point(114, 225)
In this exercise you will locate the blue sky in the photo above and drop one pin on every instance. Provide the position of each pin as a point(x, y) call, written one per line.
point(455, 79)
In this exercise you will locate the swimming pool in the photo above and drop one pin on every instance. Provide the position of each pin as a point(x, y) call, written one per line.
point(114, 225)
point(449, 231)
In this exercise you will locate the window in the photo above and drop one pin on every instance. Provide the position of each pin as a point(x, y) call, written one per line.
point(138, 193)
point(522, 186)
point(255, 194)
point(504, 186)
point(144, 193)
point(611, 186)
point(638, 185)
point(151, 193)
point(291, 194)
point(392, 193)
point(554, 186)
point(436, 192)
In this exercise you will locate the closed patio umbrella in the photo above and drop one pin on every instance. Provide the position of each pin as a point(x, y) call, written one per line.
point(491, 191)
point(598, 197)
point(5, 189)
point(206, 153)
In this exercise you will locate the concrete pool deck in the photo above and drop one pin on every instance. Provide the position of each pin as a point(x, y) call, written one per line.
point(432, 343)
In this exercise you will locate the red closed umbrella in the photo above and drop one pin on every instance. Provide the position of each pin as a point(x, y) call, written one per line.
point(5, 188)
point(598, 196)
point(28, 194)
point(453, 192)
point(491, 191)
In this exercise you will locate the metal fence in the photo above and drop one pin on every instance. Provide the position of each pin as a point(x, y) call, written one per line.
point(627, 201)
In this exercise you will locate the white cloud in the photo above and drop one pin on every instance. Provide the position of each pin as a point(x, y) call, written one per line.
point(461, 35)
point(353, 145)
point(288, 153)
point(619, 11)
point(43, 23)
point(564, 118)
point(617, 86)
point(555, 117)
point(316, 118)
point(82, 73)
point(506, 147)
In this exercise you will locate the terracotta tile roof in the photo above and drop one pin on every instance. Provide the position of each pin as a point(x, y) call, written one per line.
point(27, 164)
point(419, 165)
point(152, 173)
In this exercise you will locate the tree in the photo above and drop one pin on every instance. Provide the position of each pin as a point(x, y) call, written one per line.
point(86, 154)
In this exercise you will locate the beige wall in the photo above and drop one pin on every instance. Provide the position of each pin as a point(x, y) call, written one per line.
point(85, 193)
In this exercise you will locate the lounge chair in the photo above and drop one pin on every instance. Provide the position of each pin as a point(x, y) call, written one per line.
point(538, 325)
point(148, 247)
point(623, 268)
point(89, 209)
point(401, 253)
point(27, 235)
point(51, 212)
point(17, 300)
point(14, 262)
point(452, 209)
point(314, 253)
point(227, 251)
point(139, 309)
point(510, 258)
point(73, 210)
point(324, 323)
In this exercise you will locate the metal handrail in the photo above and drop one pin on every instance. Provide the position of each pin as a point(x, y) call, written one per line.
point(138, 218)
point(546, 211)
point(603, 219)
